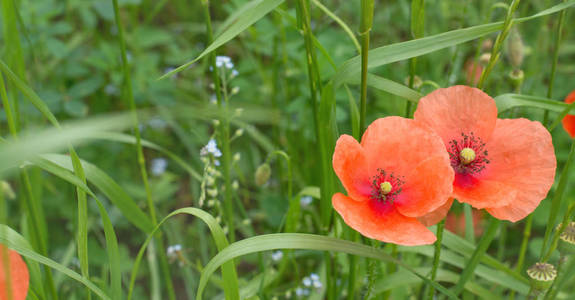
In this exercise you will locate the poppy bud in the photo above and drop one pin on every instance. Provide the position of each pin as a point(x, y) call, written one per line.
point(541, 276)
point(263, 174)
point(484, 59)
point(516, 77)
point(487, 44)
point(516, 49)
point(417, 82)
point(567, 239)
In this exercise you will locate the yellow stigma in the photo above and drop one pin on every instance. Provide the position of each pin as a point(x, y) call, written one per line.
point(385, 187)
point(467, 155)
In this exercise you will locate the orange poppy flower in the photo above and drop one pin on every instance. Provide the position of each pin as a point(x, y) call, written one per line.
point(569, 120)
point(505, 166)
point(398, 173)
point(19, 276)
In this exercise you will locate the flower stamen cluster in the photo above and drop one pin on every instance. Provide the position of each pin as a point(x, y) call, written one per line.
point(468, 154)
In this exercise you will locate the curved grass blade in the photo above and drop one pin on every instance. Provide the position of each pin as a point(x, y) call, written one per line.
point(508, 101)
point(110, 188)
point(231, 286)
point(13, 153)
point(413, 48)
point(242, 22)
point(129, 139)
point(301, 241)
point(16, 242)
point(109, 232)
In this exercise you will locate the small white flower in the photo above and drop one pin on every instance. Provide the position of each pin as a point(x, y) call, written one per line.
point(314, 276)
point(317, 284)
point(301, 292)
point(306, 281)
point(235, 185)
point(277, 255)
point(217, 162)
point(157, 123)
point(159, 166)
point(211, 148)
point(235, 90)
point(224, 61)
point(172, 251)
point(235, 73)
point(305, 200)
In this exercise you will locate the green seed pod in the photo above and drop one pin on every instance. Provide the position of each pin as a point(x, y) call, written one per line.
point(516, 49)
point(567, 239)
point(541, 276)
point(263, 174)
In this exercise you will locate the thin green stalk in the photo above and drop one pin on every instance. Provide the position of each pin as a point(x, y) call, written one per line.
point(139, 150)
point(555, 58)
point(436, 255)
point(364, 30)
point(31, 205)
point(477, 254)
point(227, 162)
point(523, 249)
point(496, 51)
point(562, 278)
point(557, 198)
point(469, 229)
point(562, 226)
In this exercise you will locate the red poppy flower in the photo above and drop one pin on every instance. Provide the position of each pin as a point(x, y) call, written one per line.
point(569, 120)
point(505, 166)
point(19, 276)
point(398, 173)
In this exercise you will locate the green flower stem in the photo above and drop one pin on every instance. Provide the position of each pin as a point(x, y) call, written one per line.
point(555, 239)
point(436, 255)
point(496, 51)
point(557, 198)
point(469, 229)
point(364, 29)
point(139, 150)
point(476, 256)
point(556, 45)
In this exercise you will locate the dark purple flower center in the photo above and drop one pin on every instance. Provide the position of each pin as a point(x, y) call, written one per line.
point(385, 187)
point(468, 154)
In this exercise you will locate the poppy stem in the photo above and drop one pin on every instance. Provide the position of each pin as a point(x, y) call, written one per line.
point(557, 42)
point(556, 201)
point(495, 52)
point(477, 254)
point(127, 83)
point(436, 255)
point(364, 29)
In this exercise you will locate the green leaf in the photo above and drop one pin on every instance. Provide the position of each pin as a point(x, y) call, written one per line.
point(129, 139)
point(110, 188)
point(230, 277)
point(507, 101)
point(413, 48)
point(16, 242)
point(301, 241)
point(15, 152)
point(110, 234)
point(240, 23)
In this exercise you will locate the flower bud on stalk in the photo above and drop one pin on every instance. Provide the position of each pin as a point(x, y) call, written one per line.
point(516, 49)
point(263, 174)
point(541, 276)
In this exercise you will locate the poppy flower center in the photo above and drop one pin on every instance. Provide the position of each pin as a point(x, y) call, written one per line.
point(385, 187)
point(468, 154)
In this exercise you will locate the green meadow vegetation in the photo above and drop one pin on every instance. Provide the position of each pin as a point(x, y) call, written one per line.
point(183, 149)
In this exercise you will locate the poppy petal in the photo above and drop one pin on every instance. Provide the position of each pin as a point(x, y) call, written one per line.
point(399, 144)
point(482, 193)
point(427, 187)
point(19, 275)
point(523, 158)
point(437, 215)
point(569, 120)
point(350, 165)
point(386, 225)
point(456, 110)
